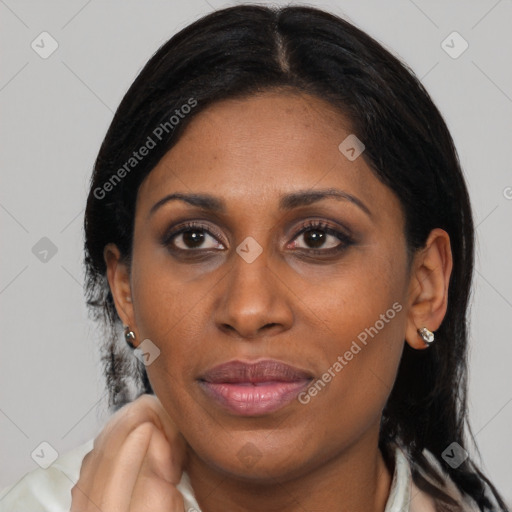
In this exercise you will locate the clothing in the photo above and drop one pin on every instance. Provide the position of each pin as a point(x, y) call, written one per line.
point(49, 490)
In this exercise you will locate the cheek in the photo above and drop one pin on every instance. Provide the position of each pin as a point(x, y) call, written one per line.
point(169, 314)
point(353, 296)
point(163, 299)
point(362, 314)
point(166, 312)
point(347, 399)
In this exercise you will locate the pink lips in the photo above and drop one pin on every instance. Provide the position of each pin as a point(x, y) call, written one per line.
point(252, 389)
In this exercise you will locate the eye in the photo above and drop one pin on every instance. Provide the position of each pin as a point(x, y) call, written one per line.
point(317, 236)
point(193, 236)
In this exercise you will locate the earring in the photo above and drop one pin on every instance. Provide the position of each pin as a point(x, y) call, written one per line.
point(129, 336)
point(426, 335)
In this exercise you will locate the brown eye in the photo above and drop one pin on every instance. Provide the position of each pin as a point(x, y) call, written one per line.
point(192, 237)
point(319, 236)
point(315, 238)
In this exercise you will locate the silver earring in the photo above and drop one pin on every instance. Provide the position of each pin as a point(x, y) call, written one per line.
point(129, 336)
point(426, 335)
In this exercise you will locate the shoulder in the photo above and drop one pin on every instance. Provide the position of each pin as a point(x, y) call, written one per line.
point(48, 489)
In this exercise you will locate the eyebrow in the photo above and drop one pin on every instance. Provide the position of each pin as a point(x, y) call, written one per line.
point(306, 197)
point(205, 201)
point(286, 202)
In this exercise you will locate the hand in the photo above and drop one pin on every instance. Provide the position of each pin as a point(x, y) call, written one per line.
point(135, 464)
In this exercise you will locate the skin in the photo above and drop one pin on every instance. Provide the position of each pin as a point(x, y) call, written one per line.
point(135, 464)
point(206, 305)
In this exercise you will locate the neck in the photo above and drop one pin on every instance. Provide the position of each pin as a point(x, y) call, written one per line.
point(357, 479)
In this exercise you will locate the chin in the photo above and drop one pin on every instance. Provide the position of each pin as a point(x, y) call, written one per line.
point(259, 459)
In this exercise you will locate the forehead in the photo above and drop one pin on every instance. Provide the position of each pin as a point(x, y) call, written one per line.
point(252, 149)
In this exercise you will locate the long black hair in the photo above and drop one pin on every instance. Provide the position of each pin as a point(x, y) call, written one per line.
point(248, 49)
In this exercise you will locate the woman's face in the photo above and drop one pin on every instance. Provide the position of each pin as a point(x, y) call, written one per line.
point(295, 253)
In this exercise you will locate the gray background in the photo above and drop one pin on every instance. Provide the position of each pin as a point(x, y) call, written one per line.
point(55, 112)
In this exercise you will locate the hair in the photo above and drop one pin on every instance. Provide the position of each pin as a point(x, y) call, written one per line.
point(245, 50)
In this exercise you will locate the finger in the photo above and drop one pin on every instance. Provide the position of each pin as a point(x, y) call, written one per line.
point(152, 490)
point(107, 481)
point(115, 481)
point(145, 408)
point(137, 434)
point(124, 420)
point(159, 458)
point(155, 495)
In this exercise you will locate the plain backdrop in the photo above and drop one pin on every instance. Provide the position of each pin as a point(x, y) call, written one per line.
point(54, 114)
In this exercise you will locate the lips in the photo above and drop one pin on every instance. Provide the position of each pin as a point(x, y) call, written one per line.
point(254, 373)
point(253, 389)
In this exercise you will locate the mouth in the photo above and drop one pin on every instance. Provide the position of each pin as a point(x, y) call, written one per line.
point(254, 389)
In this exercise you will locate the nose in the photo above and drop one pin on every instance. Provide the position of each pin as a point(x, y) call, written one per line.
point(254, 301)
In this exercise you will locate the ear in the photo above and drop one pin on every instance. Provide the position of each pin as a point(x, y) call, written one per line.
point(428, 289)
point(118, 275)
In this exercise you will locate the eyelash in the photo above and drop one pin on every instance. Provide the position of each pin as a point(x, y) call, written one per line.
point(345, 239)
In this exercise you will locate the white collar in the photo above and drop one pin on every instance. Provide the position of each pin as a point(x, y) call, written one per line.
point(400, 493)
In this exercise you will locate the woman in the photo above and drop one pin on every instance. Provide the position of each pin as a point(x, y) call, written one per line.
point(278, 220)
